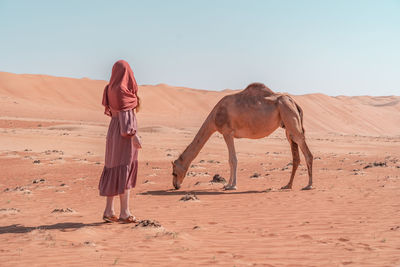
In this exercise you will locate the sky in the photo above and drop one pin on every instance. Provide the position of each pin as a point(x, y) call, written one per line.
point(332, 47)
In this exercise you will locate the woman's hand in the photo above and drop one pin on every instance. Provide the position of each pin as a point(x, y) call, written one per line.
point(136, 141)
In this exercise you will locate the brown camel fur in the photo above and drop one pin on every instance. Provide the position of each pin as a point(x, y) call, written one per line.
point(253, 113)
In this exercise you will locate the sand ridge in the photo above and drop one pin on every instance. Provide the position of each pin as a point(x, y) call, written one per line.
point(41, 96)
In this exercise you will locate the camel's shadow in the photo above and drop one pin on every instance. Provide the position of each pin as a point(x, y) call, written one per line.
point(20, 229)
point(172, 192)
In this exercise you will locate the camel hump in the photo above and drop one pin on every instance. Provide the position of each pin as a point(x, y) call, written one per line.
point(257, 89)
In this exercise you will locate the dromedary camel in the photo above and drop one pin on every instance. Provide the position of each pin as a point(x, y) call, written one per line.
point(253, 113)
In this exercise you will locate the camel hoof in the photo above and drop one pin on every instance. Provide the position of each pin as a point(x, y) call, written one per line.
point(308, 187)
point(286, 187)
point(229, 187)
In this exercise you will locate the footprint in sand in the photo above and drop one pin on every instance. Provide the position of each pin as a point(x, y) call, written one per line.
point(9, 211)
point(67, 210)
point(305, 236)
point(36, 181)
point(347, 262)
point(194, 174)
point(18, 189)
point(191, 174)
point(255, 175)
point(89, 243)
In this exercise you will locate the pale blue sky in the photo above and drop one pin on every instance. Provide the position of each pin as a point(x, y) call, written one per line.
point(333, 47)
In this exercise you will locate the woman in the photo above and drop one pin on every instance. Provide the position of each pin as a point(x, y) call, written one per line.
point(120, 99)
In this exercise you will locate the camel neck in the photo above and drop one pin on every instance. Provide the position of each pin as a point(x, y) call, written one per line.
point(191, 152)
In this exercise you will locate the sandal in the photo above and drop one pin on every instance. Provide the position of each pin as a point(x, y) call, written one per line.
point(130, 219)
point(110, 219)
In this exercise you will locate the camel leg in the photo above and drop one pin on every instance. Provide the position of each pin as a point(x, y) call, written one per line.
point(232, 162)
point(296, 161)
point(309, 159)
point(293, 123)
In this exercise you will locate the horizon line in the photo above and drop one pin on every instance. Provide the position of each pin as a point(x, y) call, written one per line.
point(192, 88)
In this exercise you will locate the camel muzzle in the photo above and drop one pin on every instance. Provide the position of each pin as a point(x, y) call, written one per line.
point(176, 185)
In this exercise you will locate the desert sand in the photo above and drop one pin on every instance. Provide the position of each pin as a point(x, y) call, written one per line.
point(52, 141)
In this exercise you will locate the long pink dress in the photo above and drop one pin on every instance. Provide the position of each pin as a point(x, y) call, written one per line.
point(121, 164)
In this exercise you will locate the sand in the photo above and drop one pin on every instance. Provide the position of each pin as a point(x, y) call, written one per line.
point(52, 141)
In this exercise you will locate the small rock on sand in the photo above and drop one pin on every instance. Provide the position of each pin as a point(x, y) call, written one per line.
point(376, 164)
point(218, 179)
point(148, 223)
point(189, 197)
point(37, 161)
point(36, 181)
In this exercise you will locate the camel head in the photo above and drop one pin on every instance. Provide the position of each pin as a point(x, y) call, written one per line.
point(178, 174)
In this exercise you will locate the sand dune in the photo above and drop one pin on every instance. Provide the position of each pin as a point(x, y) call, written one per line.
point(52, 141)
point(41, 96)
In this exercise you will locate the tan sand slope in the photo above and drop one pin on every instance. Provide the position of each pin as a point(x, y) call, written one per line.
point(41, 96)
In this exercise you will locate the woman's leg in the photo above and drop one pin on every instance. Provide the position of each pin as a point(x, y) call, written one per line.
point(124, 200)
point(109, 211)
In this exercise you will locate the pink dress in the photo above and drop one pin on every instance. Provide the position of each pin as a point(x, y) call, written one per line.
point(121, 164)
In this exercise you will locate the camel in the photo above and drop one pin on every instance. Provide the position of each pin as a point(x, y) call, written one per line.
point(254, 113)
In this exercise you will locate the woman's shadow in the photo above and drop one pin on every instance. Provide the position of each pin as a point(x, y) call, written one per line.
point(65, 227)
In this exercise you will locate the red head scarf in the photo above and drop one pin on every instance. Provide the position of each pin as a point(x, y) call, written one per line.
point(121, 92)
